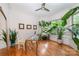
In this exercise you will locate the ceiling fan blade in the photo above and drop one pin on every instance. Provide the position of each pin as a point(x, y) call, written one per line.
point(46, 9)
point(38, 9)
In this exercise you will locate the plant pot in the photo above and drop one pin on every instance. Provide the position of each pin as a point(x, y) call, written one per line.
point(60, 41)
point(12, 44)
point(45, 37)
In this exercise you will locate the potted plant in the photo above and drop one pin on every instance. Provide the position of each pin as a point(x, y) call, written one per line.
point(63, 22)
point(44, 35)
point(13, 37)
point(58, 30)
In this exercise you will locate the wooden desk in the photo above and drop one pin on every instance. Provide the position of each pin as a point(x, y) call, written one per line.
point(44, 48)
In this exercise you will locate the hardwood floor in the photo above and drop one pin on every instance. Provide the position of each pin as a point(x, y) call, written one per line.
point(51, 48)
point(39, 48)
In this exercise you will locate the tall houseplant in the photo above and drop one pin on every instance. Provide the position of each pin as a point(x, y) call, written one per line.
point(61, 25)
point(13, 37)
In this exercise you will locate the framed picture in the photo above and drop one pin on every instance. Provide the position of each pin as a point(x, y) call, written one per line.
point(35, 27)
point(29, 26)
point(21, 26)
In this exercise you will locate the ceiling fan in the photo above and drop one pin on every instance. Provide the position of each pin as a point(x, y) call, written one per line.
point(43, 7)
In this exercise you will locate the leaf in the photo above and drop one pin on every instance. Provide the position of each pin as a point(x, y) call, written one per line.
point(67, 15)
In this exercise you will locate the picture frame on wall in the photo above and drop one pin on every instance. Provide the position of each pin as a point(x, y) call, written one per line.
point(34, 27)
point(28, 26)
point(21, 26)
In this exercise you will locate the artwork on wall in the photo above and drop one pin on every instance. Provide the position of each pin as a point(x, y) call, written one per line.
point(29, 26)
point(35, 27)
point(21, 26)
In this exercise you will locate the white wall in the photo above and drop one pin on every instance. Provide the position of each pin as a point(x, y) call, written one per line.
point(17, 17)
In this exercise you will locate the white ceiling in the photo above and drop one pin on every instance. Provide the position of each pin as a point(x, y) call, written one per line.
point(31, 7)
